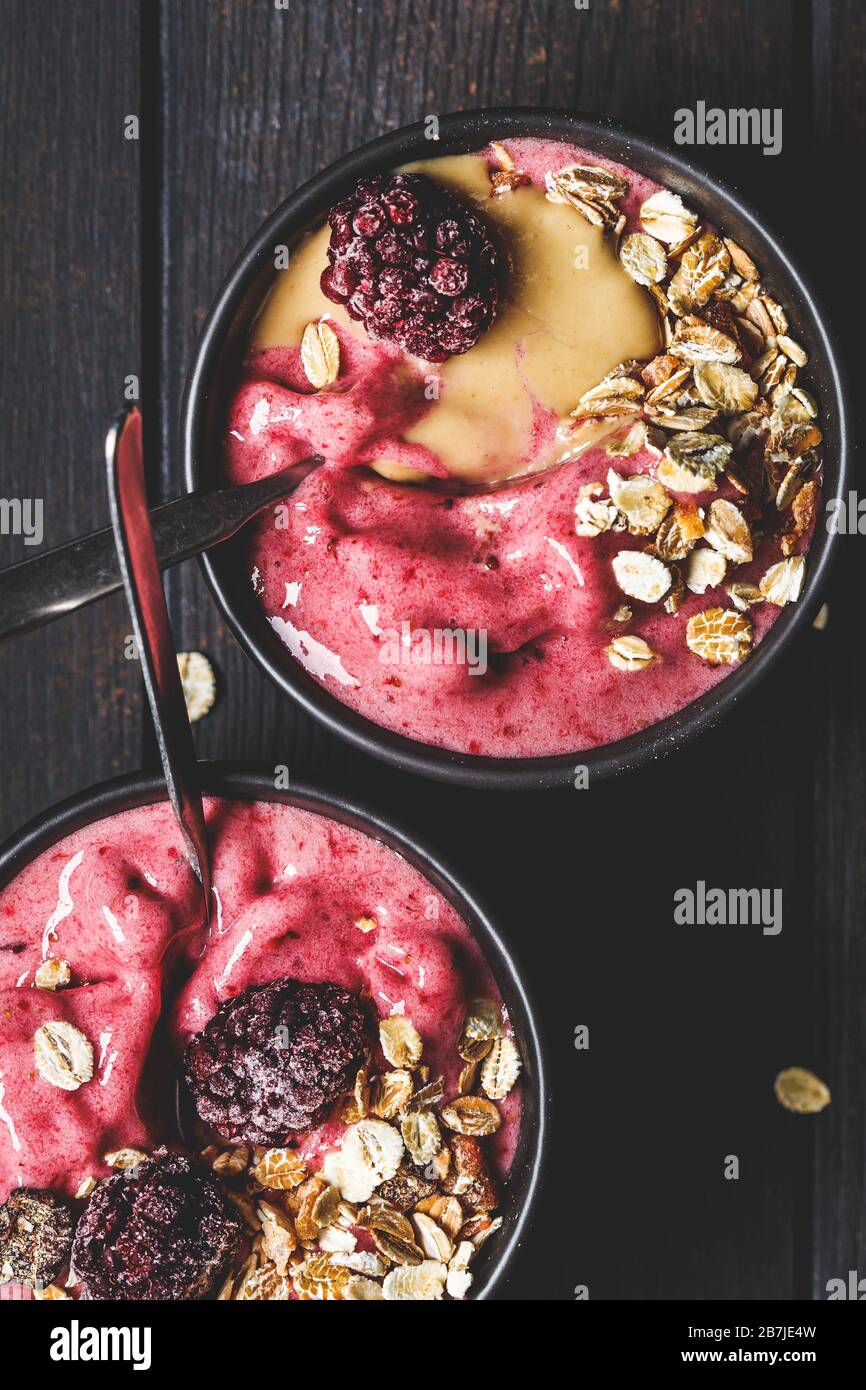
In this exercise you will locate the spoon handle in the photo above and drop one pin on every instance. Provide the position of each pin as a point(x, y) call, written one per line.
point(39, 590)
point(142, 581)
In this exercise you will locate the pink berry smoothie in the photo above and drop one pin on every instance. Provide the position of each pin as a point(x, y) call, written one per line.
point(358, 573)
point(117, 901)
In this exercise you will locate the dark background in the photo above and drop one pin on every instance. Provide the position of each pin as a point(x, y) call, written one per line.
point(110, 252)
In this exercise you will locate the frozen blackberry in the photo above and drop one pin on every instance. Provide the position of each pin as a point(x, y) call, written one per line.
point(272, 1060)
point(414, 264)
point(160, 1231)
point(35, 1236)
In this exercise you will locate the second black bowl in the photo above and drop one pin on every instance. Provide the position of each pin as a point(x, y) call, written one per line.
point(243, 783)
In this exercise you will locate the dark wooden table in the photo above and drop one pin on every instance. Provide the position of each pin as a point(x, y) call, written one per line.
point(110, 252)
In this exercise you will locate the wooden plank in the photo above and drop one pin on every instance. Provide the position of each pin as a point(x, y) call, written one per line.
point(839, 798)
point(69, 263)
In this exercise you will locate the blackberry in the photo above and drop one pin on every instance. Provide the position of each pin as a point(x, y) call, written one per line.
point(272, 1060)
point(413, 263)
point(160, 1231)
point(35, 1236)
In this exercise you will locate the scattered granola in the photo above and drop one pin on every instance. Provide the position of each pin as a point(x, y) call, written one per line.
point(371, 1152)
point(742, 596)
point(720, 636)
point(505, 176)
point(726, 389)
point(432, 1240)
point(804, 512)
point(727, 531)
point(278, 1237)
point(124, 1158)
point(500, 1069)
point(617, 395)
point(665, 216)
point(469, 1178)
point(644, 258)
point(482, 1024)
point(642, 500)
point(592, 517)
point(198, 683)
point(630, 653)
point(262, 1284)
point(692, 461)
point(471, 1115)
point(390, 1093)
point(703, 269)
point(320, 354)
point(459, 1279)
point(358, 1288)
point(421, 1135)
point(592, 190)
point(679, 532)
point(783, 583)
point(401, 1041)
point(52, 973)
point(641, 575)
point(704, 569)
point(36, 1231)
point(281, 1169)
point(423, 1282)
point(801, 1091)
point(64, 1056)
point(628, 441)
point(696, 341)
point(231, 1162)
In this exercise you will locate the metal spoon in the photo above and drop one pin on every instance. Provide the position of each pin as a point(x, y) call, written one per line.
point(39, 590)
point(142, 581)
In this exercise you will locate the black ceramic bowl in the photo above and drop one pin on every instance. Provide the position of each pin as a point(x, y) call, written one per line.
point(209, 389)
point(245, 783)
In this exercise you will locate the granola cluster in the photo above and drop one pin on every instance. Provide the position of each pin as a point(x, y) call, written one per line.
point(731, 432)
point(398, 1210)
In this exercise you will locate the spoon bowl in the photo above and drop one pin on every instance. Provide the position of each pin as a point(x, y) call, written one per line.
point(142, 582)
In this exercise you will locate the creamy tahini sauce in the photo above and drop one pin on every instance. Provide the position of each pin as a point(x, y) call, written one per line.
point(569, 314)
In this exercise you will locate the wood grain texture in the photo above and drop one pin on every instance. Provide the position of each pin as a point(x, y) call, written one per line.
point(839, 941)
point(688, 1026)
point(69, 291)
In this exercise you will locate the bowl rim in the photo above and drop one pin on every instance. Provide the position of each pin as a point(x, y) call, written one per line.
point(250, 782)
point(461, 132)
